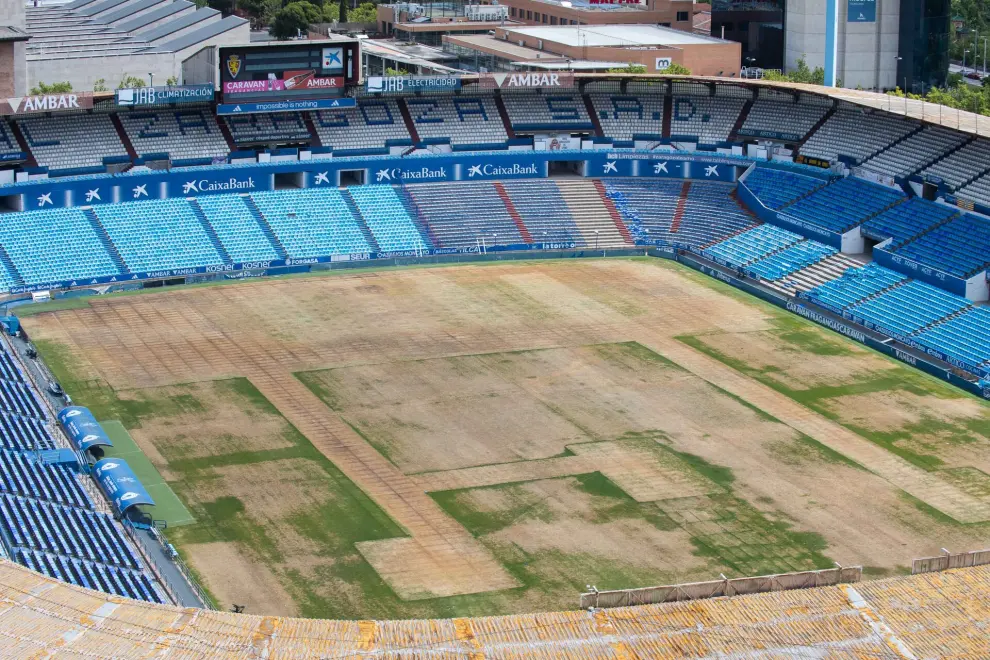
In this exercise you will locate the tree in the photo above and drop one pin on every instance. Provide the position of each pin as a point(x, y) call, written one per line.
point(331, 12)
point(289, 21)
point(365, 13)
point(389, 71)
point(54, 88)
point(130, 81)
point(802, 74)
point(629, 68)
point(172, 80)
point(343, 11)
point(313, 13)
point(100, 85)
point(676, 69)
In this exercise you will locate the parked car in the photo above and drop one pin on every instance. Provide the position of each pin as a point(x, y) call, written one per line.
point(973, 75)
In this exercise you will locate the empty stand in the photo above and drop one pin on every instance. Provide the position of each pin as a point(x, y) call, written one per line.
point(189, 134)
point(844, 204)
point(782, 120)
point(21, 475)
point(857, 134)
point(268, 128)
point(777, 188)
point(906, 309)
point(67, 142)
point(815, 275)
point(915, 152)
point(28, 239)
point(789, 260)
point(23, 433)
point(466, 120)
point(387, 219)
point(625, 116)
point(237, 228)
point(591, 215)
point(965, 337)
point(92, 575)
point(710, 119)
point(311, 223)
point(979, 190)
point(369, 127)
point(474, 217)
point(960, 247)
point(752, 245)
point(9, 147)
point(544, 212)
point(855, 285)
point(902, 222)
point(531, 111)
point(158, 235)
point(963, 165)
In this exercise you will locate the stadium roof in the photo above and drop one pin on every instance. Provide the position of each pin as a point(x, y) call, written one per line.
point(10, 33)
point(923, 616)
point(615, 35)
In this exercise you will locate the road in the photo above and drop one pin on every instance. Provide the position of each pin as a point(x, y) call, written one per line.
point(956, 68)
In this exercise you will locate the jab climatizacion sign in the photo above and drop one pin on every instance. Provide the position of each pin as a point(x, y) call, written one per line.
point(150, 96)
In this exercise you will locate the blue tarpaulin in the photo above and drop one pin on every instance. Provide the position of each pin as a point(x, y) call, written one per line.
point(117, 480)
point(83, 429)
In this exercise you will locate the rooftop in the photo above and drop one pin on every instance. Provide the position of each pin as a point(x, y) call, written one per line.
point(615, 35)
point(585, 5)
point(931, 615)
point(10, 33)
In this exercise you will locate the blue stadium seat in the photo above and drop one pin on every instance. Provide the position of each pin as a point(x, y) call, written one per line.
point(387, 219)
point(856, 284)
point(965, 338)
point(29, 237)
point(473, 215)
point(844, 204)
point(239, 233)
point(751, 245)
point(961, 247)
point(777, 188)
point(905, 221)
point(312, 223)
point(544, 212)
point(158, 235)
point(92, 575)
point(906, 309)
point(789, 260)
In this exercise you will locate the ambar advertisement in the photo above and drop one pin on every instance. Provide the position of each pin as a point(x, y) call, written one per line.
point(286, 72)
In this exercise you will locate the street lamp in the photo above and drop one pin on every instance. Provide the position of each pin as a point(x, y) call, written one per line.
point(151, 78)
point(596, 240)
point(965, 52)
point(898, 58)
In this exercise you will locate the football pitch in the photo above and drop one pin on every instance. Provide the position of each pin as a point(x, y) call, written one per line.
point(484, 439)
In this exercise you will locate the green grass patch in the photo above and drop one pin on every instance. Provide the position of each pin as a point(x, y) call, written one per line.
point(168, 506)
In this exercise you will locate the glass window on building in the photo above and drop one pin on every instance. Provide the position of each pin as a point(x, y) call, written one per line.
point(553, 20)
point(682, 16)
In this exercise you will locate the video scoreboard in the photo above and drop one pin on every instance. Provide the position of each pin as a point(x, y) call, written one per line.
point(288, 71)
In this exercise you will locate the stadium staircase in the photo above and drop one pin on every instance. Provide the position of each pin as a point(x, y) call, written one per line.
point(668, 113)
point(359, 220)
point(503, 112)
point(227, 135)
point(104, 237)
point(266, 229)
point(210, 231)
point(879, 151)
point(818, 125)
point(15, 130)
point(675, 224)
point(124, 138)
point(425, 230)
point(593, 114)
point(826, 270)
point(800, 197)
point(741, 121)
point(5, 258)
point(407, 118)
point(513, 212)
point(314, 136)
point(591, 214)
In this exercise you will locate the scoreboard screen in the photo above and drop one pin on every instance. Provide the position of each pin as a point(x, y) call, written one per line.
point(288, 71)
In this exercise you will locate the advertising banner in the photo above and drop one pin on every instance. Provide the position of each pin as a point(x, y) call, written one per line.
point(22, 105)
point(301, 70)
point(284, 106)
point(151, 96)
point(395, 84)
point(120, 484)
point(862, 11)
point(82, 428)
point(531, 80)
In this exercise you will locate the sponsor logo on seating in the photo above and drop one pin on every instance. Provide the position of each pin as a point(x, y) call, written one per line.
point(501, 170)
point(397, 174)
point(527, 80)
point(205, 185)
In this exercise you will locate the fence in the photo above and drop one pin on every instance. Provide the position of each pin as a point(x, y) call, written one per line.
point(950, 560)
point(725, 587)
point(184, 570)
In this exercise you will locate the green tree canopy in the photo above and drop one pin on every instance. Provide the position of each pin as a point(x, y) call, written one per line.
point(289, 21)
point(54, 88)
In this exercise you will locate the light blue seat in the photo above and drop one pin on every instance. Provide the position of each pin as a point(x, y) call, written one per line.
point(387, 219)
point(236, 227)
point(312, 223)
